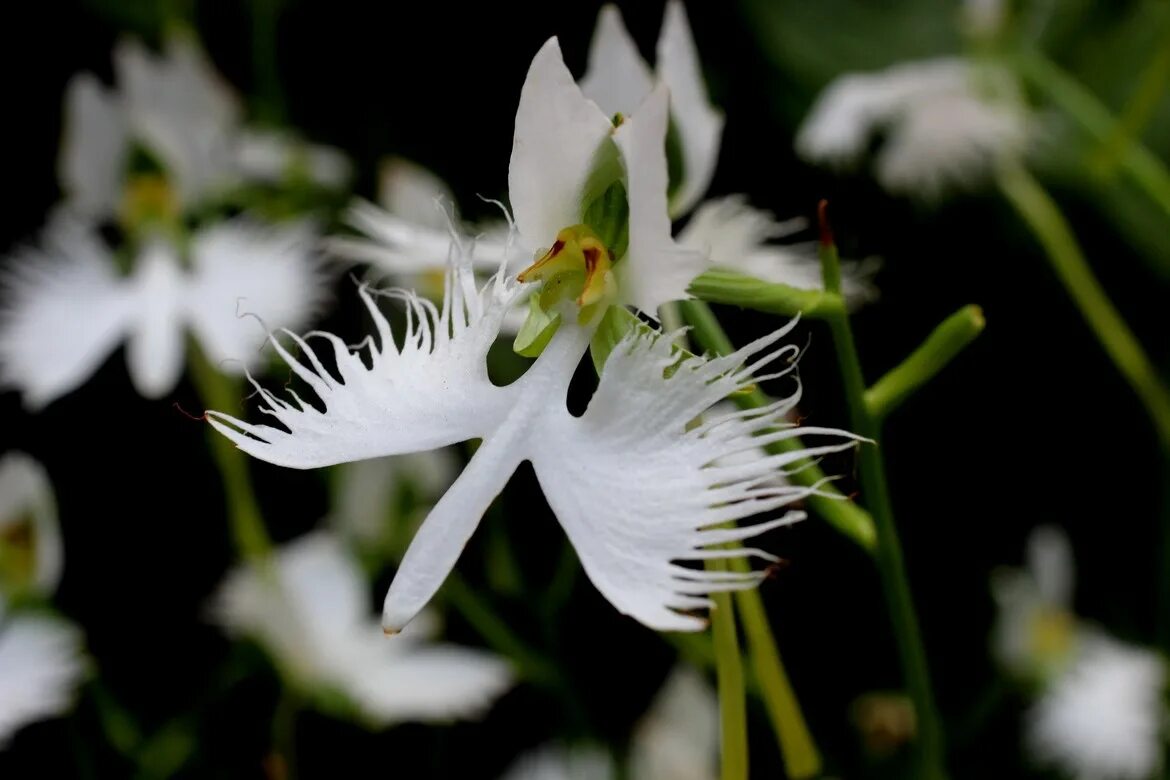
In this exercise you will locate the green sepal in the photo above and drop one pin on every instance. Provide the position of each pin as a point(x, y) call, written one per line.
point(718, 285)
point(537, 330)
point(608, 215)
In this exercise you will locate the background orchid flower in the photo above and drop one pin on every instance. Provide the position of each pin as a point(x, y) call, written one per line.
point(67, 306)
point(634, 487)
point(311, 612)
point(946, 123)
point(677, 739)
point(31, 554)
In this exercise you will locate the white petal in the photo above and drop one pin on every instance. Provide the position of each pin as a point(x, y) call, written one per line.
point(411, 192)
point(1050, 562)
point(269, 156)
point(41, 665)
point(678, 739)
point(655, 270)
point(637, 492)
point(154, 349)
point(424, 682)
point(699, 123)
point(617, 79)
point(432, 391)
point(1105, 717)
point(94, 144)
point(26, 494)
point(246, 280)
point(555, 762)
point(66, 309)
point(559, 133)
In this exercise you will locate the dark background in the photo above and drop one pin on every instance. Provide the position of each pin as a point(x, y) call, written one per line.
point(1031, 425)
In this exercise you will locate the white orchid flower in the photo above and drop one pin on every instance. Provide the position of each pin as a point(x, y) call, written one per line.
point(946, 123)
point(739, 237)
point(31, 553)
point(1036, 631)
point(41, 664)
point(618, 80)
point(633, 486)
point(173, 105)
point(1105, 717)
point(67, 306)
point(311, 612)
point(677, 739)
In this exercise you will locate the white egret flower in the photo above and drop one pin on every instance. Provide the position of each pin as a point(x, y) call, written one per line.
point(677, 739)
point(173, 105)
point(67, 306)
point(945, 123)
point(1105, 717)
point(311, 612)
point(31, 555)
point(41, 664)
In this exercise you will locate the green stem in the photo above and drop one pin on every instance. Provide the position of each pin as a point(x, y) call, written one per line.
point(943, 344)
point(838, 511)
point(266, 71)
point(1149, 93)
point(1042, 215)
point(284, 735)
point(732, 697)
point(1096, 120)
point(797, 748)
point(223, 394)
point(928, 746)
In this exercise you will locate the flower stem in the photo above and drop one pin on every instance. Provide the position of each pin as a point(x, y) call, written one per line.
point(1042, 215)
point(732, 696)
point(928, 746)
point(221, 393)
point(1151, 88)
point(841, 513)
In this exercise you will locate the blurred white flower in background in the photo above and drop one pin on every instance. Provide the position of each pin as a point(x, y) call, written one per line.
point(944, 124)
point(42, 660)
point(1099, 712)
point(677, 739)
point(312, 613)
point(67, 306)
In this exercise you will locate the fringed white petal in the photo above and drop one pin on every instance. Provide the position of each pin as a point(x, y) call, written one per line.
point(638, 493)
point(430, 391)
point(41, 665)
point(154, 349)
point(656, 270)
point(65, 310)
point(94, 146)
point(616, 78)
point(559, 133)
point(26, 495)
point(699, 123)
point(247, 279)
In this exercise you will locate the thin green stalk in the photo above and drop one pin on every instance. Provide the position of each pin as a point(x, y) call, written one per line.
point(732, 696)
point(1042, 215)
point(838, 511)
point(1141, 165)
point(928, 746)
point(284, 735)
point(1150, 91)
point(223, 394)
point(266, 71)
point(797, 748)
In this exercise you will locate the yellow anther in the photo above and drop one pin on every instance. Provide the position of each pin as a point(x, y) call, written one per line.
point(577, 262)
point(1052, 633)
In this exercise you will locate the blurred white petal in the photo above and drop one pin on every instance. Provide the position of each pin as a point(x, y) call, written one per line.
point(616, 78)
point(270, 156)
point(699, 124)
point(154, 348)
point(413, 193)
point(558, 762)
point(41, 665)
point(1105, 717)
point(678, 739)
point(94, 146)
point(26, 495)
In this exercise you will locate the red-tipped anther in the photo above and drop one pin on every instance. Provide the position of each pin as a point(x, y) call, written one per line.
point(823, 222)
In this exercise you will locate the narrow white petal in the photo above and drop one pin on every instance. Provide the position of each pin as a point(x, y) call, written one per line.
point(679, 737)
point(655, 270)
point(154, 349)
point(431, 391)
point(558, 134)
point(1050, 562)
point(94, 145)
point(41, 665)
point(65, 310)
point(637, 491)
point(699, 124)
point(27, 495)
point(247, 280)
point(616, 78)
